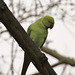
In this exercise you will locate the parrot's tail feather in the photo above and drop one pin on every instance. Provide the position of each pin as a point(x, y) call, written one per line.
point(25, 64)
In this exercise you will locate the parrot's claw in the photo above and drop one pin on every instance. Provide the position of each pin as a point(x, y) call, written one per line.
point(43, 58)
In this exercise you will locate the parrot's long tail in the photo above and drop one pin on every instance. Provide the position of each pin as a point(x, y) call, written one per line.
point(25, 64)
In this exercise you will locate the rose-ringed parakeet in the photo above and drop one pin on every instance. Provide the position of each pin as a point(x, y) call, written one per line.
point(38, 33)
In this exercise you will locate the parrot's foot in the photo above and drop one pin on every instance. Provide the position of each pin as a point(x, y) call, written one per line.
point(43, 59)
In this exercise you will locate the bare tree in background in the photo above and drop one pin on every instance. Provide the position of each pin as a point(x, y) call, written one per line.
point(28, 11)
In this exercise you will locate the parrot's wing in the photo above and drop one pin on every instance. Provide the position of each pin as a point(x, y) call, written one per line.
point(29, 30)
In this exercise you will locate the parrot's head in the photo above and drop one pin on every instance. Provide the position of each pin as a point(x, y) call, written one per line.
point(48, 22)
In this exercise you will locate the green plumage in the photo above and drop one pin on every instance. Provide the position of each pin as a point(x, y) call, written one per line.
point(38, 31)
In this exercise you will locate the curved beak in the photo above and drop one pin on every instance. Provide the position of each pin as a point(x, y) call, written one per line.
point(52, 25)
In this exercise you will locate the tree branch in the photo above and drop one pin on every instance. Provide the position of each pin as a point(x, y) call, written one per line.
point(62, 59)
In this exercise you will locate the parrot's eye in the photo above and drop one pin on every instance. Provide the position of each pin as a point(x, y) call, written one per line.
point(50, 22)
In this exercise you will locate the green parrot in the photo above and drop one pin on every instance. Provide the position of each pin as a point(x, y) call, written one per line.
point(38, 32)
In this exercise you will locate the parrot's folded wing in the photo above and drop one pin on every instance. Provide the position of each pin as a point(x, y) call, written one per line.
point(29, 30)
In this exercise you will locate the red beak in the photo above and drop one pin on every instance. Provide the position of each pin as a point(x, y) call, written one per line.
point(52, 25)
